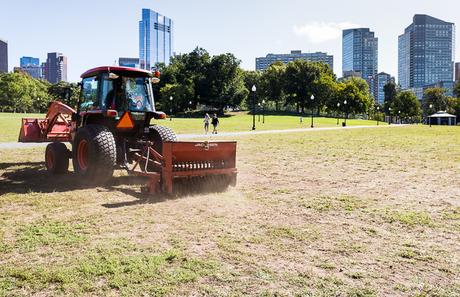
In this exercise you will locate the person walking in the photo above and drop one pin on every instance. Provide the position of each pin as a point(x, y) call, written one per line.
point(207, 118)
point(215, 123)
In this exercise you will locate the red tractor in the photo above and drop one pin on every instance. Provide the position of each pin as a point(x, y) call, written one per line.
point(111, 128)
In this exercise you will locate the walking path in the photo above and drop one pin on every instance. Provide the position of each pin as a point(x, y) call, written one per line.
point(17, 145)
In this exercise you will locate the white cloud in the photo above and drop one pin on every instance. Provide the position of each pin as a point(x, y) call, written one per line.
point(318, 32)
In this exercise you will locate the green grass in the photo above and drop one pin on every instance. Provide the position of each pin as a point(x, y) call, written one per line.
point(243, 122)
point(10, 123)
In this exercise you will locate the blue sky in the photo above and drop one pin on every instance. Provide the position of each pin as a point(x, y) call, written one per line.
point(97, 32)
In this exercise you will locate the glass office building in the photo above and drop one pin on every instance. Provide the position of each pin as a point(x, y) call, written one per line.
point(29, 61)
point(426, 53)
point(3, 56)
point(155, 39)
point(129, 62)
point(377, 84)
point(263, 63)
point(360, 52)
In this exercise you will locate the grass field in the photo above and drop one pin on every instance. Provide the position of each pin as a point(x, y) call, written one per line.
point(328, 213)
point(11, 123)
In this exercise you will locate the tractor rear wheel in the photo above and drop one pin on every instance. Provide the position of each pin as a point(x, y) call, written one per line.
point(94, 153)
point(57, 158)
point(160, 134)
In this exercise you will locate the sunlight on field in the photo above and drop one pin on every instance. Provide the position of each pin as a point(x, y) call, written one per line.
point(329, 213)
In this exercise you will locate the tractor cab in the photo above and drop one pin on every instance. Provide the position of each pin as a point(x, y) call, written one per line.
point(113, 91)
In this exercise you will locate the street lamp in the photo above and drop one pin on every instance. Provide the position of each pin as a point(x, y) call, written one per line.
point(254, 89)
point(431, 106)
point(312, 108)
point(399, 116)
point(389, 115)
point(378, 108)
point(190, 107)
point(258, 114)
point(171, 109)
point(263, 111)
point(338, 112)
point(346, 113)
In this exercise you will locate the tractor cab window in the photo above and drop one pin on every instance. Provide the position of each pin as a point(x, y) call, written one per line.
point(138, 93)
point(89, 93)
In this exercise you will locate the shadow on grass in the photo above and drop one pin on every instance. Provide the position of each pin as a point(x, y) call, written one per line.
point(33, 177)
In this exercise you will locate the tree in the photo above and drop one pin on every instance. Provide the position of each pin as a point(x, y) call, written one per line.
point(435, 97)
point(356, 94)
point(454, 107)
point(406, 105)
point(457, 89)
point(65, 92)
point(390, 93)
point(272, 82)
point(302, 79)
point(253, 78)
point(226, 82)
point(17, 92)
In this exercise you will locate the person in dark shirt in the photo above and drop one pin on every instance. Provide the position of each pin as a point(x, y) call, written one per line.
point(215, 123)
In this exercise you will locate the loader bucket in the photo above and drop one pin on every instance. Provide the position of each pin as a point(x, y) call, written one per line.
point(212, 162)
point(31, 130)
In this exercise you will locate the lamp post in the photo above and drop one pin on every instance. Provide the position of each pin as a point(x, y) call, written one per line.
point(399, 116)
point(258, 114)
point(338, 112)
point(263, 111)
point(312, 109)
point(254, 89)
point(190, 107)
point(378, 108)
point(431, 106)
point(171, 109)
point(389, 115)
point(346, 112)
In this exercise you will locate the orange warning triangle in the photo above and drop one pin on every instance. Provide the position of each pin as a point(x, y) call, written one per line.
point(126, 121)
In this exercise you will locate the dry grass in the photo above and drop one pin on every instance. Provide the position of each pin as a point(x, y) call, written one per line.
point(336, 213)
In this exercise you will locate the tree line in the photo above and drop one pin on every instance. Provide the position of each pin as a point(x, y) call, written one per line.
point(199, 80)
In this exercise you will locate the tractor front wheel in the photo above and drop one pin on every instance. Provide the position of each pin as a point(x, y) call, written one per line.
point(57, 158)
point(94, 153)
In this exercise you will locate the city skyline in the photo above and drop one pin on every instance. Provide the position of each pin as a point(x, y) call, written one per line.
point(308, 27)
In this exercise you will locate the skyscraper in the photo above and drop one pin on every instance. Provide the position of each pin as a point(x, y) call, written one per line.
point(263, 63)
point(31, 66)
point(28, 61)
point(56, 68)
point(129, 62)
point(155, 39)
point(378, 83)
point(426, 53)
point(360, 52)
point(3, 56)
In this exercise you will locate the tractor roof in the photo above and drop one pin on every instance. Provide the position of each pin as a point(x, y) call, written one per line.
point(116, 69)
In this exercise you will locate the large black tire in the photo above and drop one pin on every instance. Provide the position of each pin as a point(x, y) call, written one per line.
point(160, 134)
point(57, 158)
point(94, 154)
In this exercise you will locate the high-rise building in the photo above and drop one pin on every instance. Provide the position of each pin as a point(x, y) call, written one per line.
point(155, 39)
point(360, 52)
point(56, 68)
point(129, 62)
point(3, 56)
point(378, 83)
point(263, 63)
point(426, 53)
point(31, 66)
point(29, 61)
point(457, 71)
